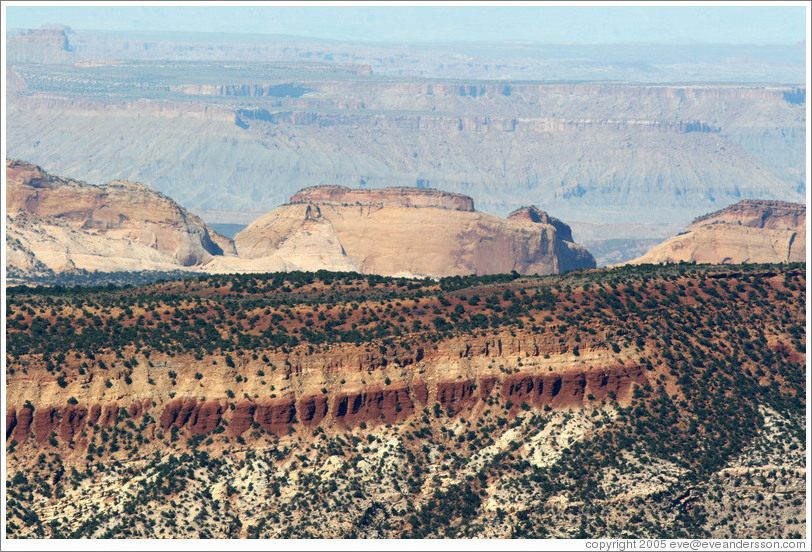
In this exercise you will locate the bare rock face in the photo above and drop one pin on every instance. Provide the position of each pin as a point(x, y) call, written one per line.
point(403, 232)
point(535, 215)
point(62, 224)
point(751, 231)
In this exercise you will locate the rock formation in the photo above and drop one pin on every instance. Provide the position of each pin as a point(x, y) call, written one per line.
point(347, 407)
point(751, 231)
point(403, 232)
point(57, 224)
point(383, 197)
point(60, 224)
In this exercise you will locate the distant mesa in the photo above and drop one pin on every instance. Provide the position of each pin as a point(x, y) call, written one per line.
point(48, 44)
point(404, 232)
point(57, 225)
point(535, 215)
point(750, 231)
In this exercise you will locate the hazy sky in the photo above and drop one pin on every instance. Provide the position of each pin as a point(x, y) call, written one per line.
point(577, 23)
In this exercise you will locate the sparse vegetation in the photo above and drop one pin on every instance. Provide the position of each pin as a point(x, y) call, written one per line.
point(699, 450)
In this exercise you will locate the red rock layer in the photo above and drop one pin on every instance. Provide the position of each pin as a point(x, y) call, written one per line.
point(11, 421)
point(24, 417)
point(421, 391)
point(276, 415)
point(95, 413)
point(242, 417)
point(456, 395)
point(44, 422)
point(73, 421)
point(570, 388)
point(312, 409)
point(372, 404)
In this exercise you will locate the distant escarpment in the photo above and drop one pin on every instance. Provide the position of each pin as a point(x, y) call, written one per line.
point(60, 224)
point(402, 232)
point(751, 231)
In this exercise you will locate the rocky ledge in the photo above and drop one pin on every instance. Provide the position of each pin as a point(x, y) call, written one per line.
point(758, 213)
point(383, 197)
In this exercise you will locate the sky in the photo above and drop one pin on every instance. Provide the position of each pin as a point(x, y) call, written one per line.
point(583, 24)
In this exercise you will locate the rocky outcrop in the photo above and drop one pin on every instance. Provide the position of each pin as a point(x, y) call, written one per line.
point(751, 231)
point(64, 224)
point(571, 388)
point(44, 45)
point(456, 395)
point(373, 404)
point(382, 232)
point(177, 413)
point(313, 409)
point(18, 423)
point(276, 415)
point(383, 197)
point(533, 214)
point(242, 417)
point(73, 421)
point(420, 391)
point(45, 421)
point(349, 407)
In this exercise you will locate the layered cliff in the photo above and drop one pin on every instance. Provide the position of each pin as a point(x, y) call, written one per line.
point(403, 232)
point(213, 406)
point(751, 231)
point(346, 408)
point(61, 224)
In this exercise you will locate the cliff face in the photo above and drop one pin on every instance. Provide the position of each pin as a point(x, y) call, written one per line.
point(533, 214)
point(62, 224)
point(57, 224)
point(44, 45)
point(404, 231)
point(344, 406)
point(751, 231)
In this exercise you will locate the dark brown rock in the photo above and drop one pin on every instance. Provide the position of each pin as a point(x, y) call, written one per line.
point(73, 420)
point(313, 409)
point(276, 415)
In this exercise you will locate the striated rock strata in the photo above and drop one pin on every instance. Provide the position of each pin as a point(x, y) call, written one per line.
point(372, 404)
